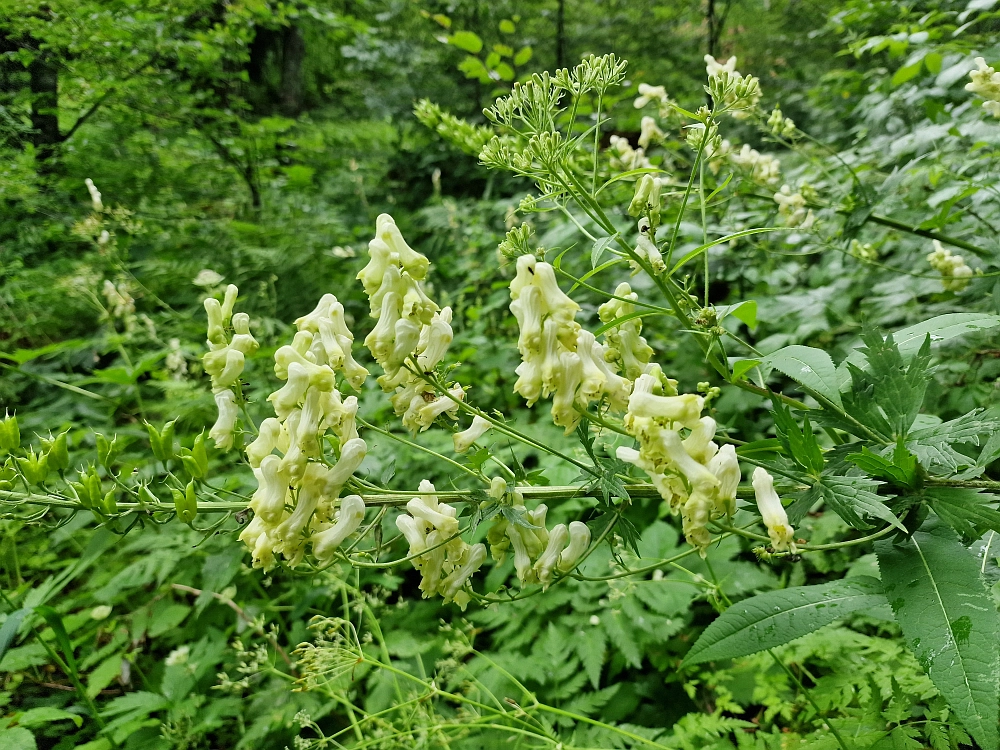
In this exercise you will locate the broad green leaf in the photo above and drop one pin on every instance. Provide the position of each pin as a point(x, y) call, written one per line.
point(466, 40)
point(810, 367)
point(17, 738)
point(854, 500)
point(778, 617)
point(747, 312)
point(933, 62)
point(523, 56)
point(10, 626)
point(942, 328)
point(505, 72)
point(507, 26)
point(967, 511)
point(473, 68)
point(35, 716)
point(949, 621)
point(905, 74)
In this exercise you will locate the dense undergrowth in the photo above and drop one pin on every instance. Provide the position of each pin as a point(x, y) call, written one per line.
point(807, 235)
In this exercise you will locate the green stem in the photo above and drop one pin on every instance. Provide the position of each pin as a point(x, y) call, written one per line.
point(808, 695)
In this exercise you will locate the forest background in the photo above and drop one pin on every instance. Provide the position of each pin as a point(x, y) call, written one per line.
point(255, 143)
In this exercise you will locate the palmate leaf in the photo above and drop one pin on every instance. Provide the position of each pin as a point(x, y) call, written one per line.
point(854, 500)
point(967, 511)
point(778, 617)
point(949, 621)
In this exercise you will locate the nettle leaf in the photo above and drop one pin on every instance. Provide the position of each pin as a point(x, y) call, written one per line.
point(967, 511)
point(778, 617)
point(933, 445)
point(854, 500)
point(809, 367)
point(901, 470)
point(799, 442)
point(949, 621)
point(888, 394)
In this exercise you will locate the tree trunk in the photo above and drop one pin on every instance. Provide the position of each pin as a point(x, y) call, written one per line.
point(44, 105)
point(293, 53)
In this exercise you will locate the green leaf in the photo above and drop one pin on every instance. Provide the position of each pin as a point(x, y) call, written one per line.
point(523, 56)
point(17, 738)
point(10, 626)
point(905, 74)
point(949, 622)
point(62, 638)
point(507, 26)
point(967, 511)
point(933, 62)
point(747, 312)
point(778, 617)
point(35, 716)
point(466, 40)
point(933, 445)
point(742, 366)
point(942, 328)
point(854, 500)
point(473, 68)
point(505, 72)
point(599, 249)
point(809, 367)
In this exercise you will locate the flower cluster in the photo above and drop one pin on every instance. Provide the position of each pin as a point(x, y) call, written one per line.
point(297, 492)
point(862, 251)
point(792, 207)
point(649, 132)
point(225, 359)
point(538, 552)
point(412, 333)
point(731, 90)
point(763, 168)
point(694, 476)
point(625, 158)
point(773, 512)
point(986, 83)
point(559, 358)
point(445, 561)
point(955, 274)
point(781, 126)
point(651, 94)
point(625, 346)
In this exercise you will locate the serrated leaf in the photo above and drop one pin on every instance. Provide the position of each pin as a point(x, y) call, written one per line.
point(44, 714)
point(778, 617)
point(933, 445)
point(810, 367)
point(942, 328)
point(967, 511)
point(949, 622)
point(854, 500)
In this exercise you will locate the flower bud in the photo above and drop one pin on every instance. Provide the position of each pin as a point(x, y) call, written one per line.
point(684, 409)
point(287, 398)
point(352, 453)
point(413, 531)
point(464, 440)
point(726, 468)
point(699, 443)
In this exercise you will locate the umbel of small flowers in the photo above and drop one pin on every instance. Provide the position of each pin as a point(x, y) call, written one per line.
point(412, 334)
point(296, 501)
